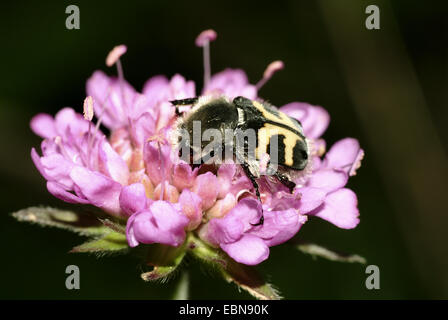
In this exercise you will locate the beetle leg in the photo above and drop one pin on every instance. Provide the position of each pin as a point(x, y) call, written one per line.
point(183, 102)
point(257, 191)
point(285, 181)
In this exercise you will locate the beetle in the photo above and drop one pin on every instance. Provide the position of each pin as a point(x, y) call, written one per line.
point(246, 130)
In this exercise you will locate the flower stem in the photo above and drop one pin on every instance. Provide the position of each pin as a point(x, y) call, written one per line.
point(182, 289)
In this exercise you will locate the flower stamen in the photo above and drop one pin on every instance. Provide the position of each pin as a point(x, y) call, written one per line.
point(162, 186)
point(115, 54)
point(272, 68)
point(203, 40)
point(114, 58)
point(88, 108)
point(88, 115)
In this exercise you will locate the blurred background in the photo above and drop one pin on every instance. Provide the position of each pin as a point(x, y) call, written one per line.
point(386, 87)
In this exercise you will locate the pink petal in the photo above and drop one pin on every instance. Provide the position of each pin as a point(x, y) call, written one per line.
point(226, 172)
point(319, 146)
point(156, 89)
point(99, 86)
point(36, 160)
point(340, 208)
point(327, 180)
point(231, 227)
point(111, 164)
point(100, 190)
point(167, 217)
point(240, 185)
point(170, 193)
point(279, 226)
point(161, 223)
point(206, 186)
point(143, 128)
point(59, 192)
point(281, 200)
point(345, 155)
point(311, 198)
point(271, 227)
point(133, 198)
point(166, 115)
point(67, 120)
point(48, 147)
point(248, 211)
point(57, 168)
point(190, 204)
point(43, 125)
point(181, 88)
point(314, 119)
point(112, 99)
point(183, 175)
point(316, 163)
point(224, 230)
point(130, 231)
point(157, 161)
point(159, 89)
point(231, 83)
point(222, 206)
point(248, 250)
point(141, 105)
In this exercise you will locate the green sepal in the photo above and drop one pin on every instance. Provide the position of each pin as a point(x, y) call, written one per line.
point(119, 228)
point(113, 242)
point(250, 280)
point(165, 261)
point(316, 250)
point(205, 252)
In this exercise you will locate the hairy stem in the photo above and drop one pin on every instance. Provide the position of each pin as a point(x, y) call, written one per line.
point(182, 289)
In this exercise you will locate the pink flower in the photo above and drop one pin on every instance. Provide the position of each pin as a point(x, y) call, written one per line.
point(136, 174)
point(323, 193)
point(249, 244)
point(78, 162)
point(162, 223)
point(340, 204)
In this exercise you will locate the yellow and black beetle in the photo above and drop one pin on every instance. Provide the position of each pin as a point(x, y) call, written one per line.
point(273, 133)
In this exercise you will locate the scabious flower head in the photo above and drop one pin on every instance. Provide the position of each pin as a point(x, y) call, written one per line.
point(135, 174)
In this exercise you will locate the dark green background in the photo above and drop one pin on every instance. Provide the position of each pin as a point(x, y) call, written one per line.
point(387, 87)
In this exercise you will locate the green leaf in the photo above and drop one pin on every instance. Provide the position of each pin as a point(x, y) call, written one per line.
point(245, 277)
point(110, 243)
point(319, 251)
point(165, 261)
point(82, 223)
